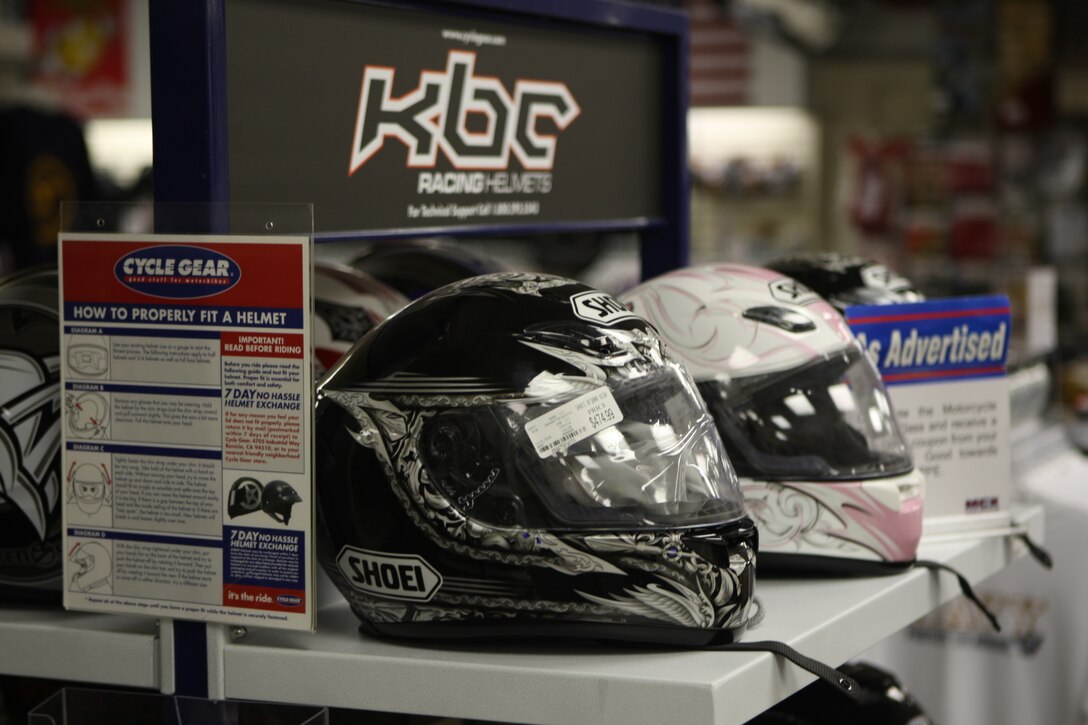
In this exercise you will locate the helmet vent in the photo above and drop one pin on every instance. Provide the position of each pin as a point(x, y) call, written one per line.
point(785, 318)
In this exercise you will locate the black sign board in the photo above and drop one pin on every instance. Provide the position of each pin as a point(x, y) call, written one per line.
point(397, 118)
point(388, 118)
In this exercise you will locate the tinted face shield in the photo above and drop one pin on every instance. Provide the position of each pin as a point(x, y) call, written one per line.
point(635, 455)
point(828, 420)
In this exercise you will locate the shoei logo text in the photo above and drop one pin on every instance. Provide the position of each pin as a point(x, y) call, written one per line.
point(599, 307)
point(435, 116)
point(177, 271)
point(397, 576)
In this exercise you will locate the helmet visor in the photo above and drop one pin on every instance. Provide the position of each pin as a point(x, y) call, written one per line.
point(830, 419)
point(637, 454)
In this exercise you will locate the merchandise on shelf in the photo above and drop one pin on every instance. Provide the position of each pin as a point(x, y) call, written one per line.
point(824, 469)
point(884, 700)
point(418, 266)
point(31, 481)
point(845, 280)
point(347, 304)
point(516, 455)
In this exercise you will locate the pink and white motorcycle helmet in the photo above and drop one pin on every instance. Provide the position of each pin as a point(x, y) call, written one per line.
point(347, 305)
point(804, 415)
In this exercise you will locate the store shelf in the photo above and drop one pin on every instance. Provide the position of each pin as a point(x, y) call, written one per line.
point(96, 648)
point(831, 620)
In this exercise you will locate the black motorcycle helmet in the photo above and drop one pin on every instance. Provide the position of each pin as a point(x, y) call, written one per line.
point(517, 455)
point(845, 280)
point(30, 477)
point(347, 304)
point(415, 267)
point(882, 700)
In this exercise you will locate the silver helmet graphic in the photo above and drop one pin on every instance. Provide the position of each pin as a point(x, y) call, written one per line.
point(30, 420)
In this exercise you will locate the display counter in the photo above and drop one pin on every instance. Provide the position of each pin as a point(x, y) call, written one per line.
point(563, 683)
point(96, 648)
point(543, 682)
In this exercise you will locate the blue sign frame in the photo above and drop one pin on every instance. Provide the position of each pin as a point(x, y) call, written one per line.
point(189, 110)
point(189, 116)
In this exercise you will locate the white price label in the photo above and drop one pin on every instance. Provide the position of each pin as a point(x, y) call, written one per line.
point(574, 421)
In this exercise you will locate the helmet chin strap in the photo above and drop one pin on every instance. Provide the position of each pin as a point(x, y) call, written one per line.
point(1037, 552)
point(844, 683)
point(839, 681)
point(965, 587)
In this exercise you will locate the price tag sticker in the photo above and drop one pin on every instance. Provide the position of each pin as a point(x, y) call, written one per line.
point(574, 421)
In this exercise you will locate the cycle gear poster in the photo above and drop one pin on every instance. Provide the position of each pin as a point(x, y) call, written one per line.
point(186, 375)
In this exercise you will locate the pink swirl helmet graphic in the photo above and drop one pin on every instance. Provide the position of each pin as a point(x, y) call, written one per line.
point(701, 313)
point(805, 418)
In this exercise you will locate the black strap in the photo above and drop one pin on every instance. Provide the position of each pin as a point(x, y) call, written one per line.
point(965, 587)
point(841, 682)
point(1040, 554)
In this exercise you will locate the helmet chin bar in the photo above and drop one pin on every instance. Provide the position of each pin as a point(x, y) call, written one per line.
point(869, 526)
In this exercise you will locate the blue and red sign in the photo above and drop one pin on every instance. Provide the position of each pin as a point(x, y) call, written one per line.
point(214, 284)
point(177, 271)
point(264, 569)
point(936, 340)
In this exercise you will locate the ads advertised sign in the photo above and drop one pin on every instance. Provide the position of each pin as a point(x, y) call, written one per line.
point(186, 381)
point(944, 364)
point(394, 119)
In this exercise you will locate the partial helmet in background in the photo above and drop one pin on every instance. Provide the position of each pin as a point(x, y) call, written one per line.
point(882, 700)
point(347, 305)
point(845, 280)
point(30, 476)
point(824, 469)
point(417, 266)
point(517, 455)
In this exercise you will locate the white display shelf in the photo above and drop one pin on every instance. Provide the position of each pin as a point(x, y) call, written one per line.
point(832, 620)
point(96, 648)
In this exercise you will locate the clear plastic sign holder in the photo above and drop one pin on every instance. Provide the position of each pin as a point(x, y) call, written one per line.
point(255, 329)
point(79, 706)
point(148, 217)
